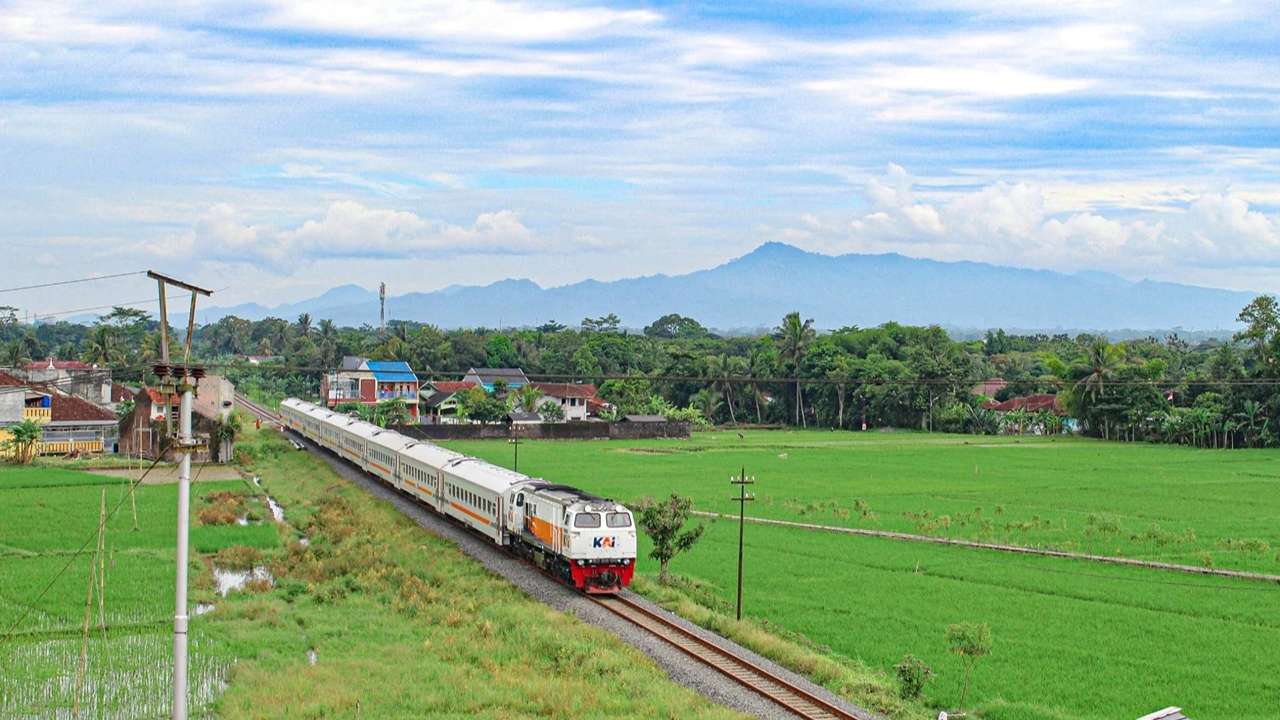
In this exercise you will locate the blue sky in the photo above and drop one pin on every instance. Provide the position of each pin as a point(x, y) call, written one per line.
point(273, 149)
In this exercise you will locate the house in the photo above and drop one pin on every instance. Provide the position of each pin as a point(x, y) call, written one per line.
point(143, 430)
point(488, 377)
point(368, 382)
point(440, 400)
point(573, 398)
point(68, 423)
point(73, 377)
point(1030, 403)
point(77, 425)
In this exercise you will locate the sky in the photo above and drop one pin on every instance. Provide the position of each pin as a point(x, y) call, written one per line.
point(271, 150)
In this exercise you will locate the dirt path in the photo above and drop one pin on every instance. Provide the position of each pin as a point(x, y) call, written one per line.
point(1017, 549)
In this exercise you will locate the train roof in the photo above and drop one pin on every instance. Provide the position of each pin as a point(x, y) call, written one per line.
point(431, 454)
point(363, 429)
point(486, 475)
point(566, 493)
point(296, 404)
point(391, 439)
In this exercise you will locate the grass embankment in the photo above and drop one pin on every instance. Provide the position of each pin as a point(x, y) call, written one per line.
point(1073, 639)
point(404, 625)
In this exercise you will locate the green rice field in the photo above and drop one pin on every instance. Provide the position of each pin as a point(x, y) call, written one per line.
point(1073, 639)
point(46, 515)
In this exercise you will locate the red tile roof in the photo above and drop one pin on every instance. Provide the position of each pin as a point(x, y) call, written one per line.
point(1030, 403)
point(158, 399)
point(68, 408)
point(58, 365)
point(567, 390)
point(7, 380)
point(449, 387)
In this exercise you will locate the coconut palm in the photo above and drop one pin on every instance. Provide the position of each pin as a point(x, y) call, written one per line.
point(102, 347)
point(794, 337)
point(718, 369)
point(304, 324)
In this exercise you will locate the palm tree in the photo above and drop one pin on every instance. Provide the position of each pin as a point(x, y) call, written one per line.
point(101, 346)
point(1249, 415)
point(304, 324)
point(757, 367)
point(841, 374)
point(328, 342)
point(795, 336)
point(1103, 358)
point(718, 369)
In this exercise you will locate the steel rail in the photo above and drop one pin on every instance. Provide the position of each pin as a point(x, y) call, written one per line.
point(785, 693)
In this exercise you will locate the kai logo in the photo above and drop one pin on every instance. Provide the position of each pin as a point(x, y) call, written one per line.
point(604, 541)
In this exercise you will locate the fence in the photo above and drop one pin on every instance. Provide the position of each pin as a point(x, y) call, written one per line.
point(549, 431)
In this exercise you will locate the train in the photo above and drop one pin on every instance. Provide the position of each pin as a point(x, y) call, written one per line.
point(586, 541)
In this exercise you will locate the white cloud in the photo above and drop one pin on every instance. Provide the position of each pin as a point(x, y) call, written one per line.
point(483, 20)
point(347, 229)
point(1009, 223)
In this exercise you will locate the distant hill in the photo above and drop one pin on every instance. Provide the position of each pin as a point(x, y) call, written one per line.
point(757, 289)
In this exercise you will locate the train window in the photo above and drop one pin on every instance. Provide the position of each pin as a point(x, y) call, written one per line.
point(618, 519)
point(586, 520)
point(520, 500)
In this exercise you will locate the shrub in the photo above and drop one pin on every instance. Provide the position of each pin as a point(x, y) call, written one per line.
point(913, 674)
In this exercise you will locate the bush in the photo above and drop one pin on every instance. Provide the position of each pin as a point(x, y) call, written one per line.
point(913, 674)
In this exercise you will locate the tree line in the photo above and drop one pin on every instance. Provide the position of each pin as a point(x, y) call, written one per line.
point(1214, 393)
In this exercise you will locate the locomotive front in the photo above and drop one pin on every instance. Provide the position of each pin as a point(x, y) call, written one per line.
point(600, 545)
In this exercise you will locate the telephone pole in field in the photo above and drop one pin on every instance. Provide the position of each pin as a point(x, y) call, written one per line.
point(742, 481)
point(182, 378)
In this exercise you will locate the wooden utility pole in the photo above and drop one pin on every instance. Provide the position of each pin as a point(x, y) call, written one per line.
point(742, 481)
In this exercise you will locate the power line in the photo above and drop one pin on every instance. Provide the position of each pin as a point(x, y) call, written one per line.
point(72, 282)
point(771, 380)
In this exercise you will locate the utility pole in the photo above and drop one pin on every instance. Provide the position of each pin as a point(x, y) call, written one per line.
point(382, 310)
point(172, 379)
point(742, 481)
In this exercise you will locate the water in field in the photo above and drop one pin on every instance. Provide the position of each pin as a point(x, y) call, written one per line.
point(126, 677)
point(277, 511)
point(229, 580)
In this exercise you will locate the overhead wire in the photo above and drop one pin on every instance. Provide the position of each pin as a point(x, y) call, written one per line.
point(73, 282)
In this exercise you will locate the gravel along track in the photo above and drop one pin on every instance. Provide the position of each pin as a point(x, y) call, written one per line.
point(684, 669)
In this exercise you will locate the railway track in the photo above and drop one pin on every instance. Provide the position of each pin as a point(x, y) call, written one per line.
point(257, 410)
point(746, 673)
point(790, 696)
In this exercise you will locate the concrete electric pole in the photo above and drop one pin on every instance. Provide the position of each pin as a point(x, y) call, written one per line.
point(182, 378)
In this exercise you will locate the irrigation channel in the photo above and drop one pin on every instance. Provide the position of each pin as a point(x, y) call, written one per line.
point(721, 656)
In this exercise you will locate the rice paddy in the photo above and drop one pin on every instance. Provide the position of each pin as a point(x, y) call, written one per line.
point(1072, 638)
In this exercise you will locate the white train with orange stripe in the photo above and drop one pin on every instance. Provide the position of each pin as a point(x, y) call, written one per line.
point(587, 541)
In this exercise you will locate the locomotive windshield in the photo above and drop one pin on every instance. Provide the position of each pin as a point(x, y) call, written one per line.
point(586, 520)
point(618, 519)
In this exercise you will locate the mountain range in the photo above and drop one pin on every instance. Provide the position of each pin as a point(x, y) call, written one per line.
point(755, 290)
